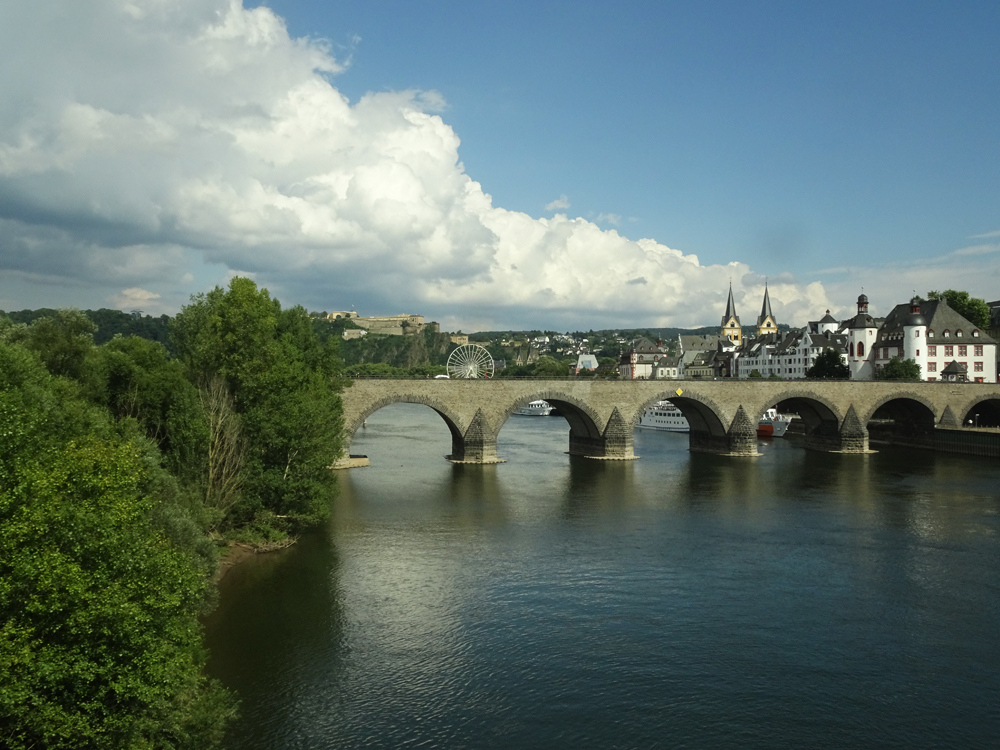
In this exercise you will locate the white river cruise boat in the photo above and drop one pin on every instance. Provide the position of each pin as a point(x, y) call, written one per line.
point(773, 424)
point(663, 415)
point(535, 409)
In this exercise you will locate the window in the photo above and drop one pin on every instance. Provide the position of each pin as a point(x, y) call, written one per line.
point(963, 350)
point(916, 334)
point(931, 380)
point(949, 351)
point(852, 348)
point(975, 334)
point(861, 349)
point(946, 334)
point(918, 352)
point(977, 367)
point(931, 351)
point(932, 367)
point(959, 333)
point(977, 350)
point(930, 332)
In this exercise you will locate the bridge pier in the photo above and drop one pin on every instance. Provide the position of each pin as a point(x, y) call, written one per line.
point(477, 446)
point(615, 444)
point(740, 439)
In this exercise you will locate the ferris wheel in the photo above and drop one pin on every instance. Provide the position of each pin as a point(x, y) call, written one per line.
point(470, 361)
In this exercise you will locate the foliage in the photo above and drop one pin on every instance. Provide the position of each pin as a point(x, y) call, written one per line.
point(283, 382)
point(61, 340)
point(99, 639)
point(109, 323)
point(548, 367)
point(898, 368)
point(975, 310)
point(755, 375)
point(829, 365)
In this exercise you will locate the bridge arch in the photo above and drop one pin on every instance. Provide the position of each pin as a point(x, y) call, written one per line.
point(904, 405)
point(701, 412)
point(986, 406)
point(582, 418)
point(451, 419)
point(815, 410)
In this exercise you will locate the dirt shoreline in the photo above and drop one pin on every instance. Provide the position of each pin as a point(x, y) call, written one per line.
point(236, 552)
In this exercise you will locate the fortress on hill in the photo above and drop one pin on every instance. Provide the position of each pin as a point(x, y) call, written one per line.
point(392, 325)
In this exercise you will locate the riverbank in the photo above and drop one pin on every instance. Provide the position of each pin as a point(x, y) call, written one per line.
point(236, 552)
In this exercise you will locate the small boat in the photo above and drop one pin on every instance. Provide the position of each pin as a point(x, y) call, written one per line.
point(773, 424)
point(663, 415)
point(535, 409)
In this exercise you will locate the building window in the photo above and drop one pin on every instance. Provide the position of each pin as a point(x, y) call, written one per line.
point(977, 350)
point(949, 351)
point(930, 332)
point(916, 334)
point(932, 367)
point(918, 352)
point(963, 350)
point(861, 349)
point(977, 367)
point(946, 334)
point(852, 348)
point(975, 334)
point(931, 351)
point(959, 333)
point(931, 380)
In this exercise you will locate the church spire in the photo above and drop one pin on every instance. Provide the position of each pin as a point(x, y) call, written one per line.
point(730, 307)
point(766, 322)
point(730, 321)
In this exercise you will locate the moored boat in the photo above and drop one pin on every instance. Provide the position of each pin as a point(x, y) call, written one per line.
point(663, 415)
point(773, 424)
point(535, 409)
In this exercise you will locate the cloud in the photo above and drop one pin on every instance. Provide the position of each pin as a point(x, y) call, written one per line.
point(986, 235)
point(147, 144)
point(134, 297)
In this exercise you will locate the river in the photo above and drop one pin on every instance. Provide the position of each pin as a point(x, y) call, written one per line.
point(793, 600)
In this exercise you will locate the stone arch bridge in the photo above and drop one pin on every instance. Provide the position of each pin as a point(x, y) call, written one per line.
point(723, 414)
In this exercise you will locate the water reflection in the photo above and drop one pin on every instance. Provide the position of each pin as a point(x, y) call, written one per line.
point(796, 599)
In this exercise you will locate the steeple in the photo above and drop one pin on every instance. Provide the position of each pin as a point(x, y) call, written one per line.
point(765, 310)
point(765, 321)
point(731, 328)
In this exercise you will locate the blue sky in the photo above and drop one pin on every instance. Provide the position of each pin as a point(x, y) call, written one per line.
point(826, 147)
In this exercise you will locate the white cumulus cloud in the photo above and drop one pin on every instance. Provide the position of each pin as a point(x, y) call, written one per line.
point(562, 202)
point(146, 143)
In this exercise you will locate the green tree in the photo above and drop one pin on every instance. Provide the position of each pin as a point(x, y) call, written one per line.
point(755, 374)
point(975, 310)
point(898, 368)
point(829, 365)
point(62, 340)
point(284, 384)
point(99, 637)
point(547, 367)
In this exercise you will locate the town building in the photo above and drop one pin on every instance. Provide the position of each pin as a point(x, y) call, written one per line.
point(638, 362)
point(935, 335)
point(731, 328)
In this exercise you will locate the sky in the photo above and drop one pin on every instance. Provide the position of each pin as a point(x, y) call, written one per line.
point(491, 166)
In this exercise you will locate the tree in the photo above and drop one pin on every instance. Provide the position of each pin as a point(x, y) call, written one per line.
point(99, 637)
point(755, 374)
point(62, 340)
point(975, 310)
point(898, 368)
point(547, 367)
point(283, 382)
point(829, 365)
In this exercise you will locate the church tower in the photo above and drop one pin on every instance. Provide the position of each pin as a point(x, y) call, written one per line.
point(765, 321)
point(731, 328)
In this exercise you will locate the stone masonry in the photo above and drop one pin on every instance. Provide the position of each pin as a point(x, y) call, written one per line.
point(723, 414)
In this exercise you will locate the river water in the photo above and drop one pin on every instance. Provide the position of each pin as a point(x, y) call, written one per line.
point(794, 600)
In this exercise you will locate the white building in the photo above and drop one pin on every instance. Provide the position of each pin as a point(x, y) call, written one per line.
point(934, 335)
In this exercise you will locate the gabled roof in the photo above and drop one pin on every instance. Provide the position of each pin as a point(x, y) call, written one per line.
point(940, 318)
